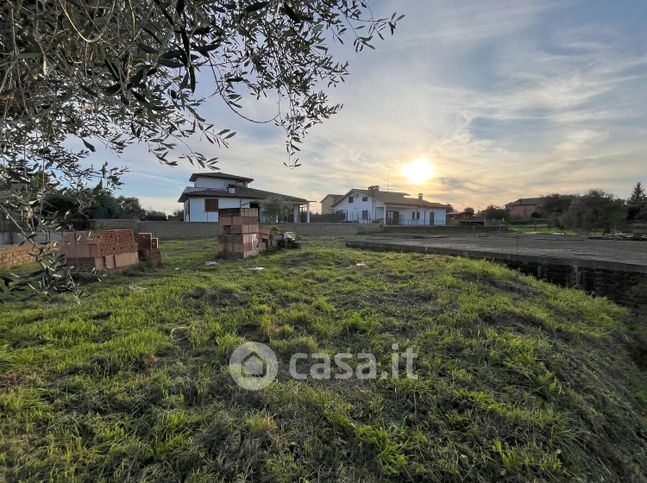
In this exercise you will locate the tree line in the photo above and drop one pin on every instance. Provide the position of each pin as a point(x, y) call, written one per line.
point(103, 205)
point(597, 209)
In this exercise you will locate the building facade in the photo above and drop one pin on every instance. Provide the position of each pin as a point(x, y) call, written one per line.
point(389, 207)
point(328, 202)
point(216, 191)
point(525, 207)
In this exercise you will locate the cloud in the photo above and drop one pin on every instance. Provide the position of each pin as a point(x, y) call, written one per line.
point(508, 98)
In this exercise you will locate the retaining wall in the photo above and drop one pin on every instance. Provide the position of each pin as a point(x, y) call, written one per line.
point(623, 287)
point(624, 283)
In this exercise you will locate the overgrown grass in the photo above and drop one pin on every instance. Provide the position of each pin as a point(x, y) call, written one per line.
point(517, 379)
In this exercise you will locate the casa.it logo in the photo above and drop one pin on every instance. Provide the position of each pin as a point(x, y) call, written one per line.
point(253, 366)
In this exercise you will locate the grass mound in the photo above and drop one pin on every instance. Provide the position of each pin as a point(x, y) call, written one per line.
point(516, 379)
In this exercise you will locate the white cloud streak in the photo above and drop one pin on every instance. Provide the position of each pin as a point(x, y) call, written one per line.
point(507, 98)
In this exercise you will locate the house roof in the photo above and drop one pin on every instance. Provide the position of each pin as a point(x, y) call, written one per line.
point(394, 198)
point(335, 197)
point(527, 201)
point(239, 192)
point(220, 175)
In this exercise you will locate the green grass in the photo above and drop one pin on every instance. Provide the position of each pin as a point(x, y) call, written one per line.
point(517, 379)
point(538, 228)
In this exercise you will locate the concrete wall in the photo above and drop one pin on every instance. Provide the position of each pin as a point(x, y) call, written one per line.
point(441, 229)
point(623, 283)
point(165, 230)
point(330, 229)
point(625, 288)
point(180, 230)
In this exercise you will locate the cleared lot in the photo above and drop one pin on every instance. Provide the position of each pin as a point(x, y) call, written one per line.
point(565, 247)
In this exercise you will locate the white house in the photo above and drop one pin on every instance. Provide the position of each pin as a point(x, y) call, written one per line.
point(214, 191)
point(389, 207)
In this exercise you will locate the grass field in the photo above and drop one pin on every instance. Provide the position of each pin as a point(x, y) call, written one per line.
point(517, 379)
point(538, 228)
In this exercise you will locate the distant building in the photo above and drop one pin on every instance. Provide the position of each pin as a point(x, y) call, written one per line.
point(455, 217)
point(215, 191)
point(389, 207)
point(525, 207)
point(328, 201)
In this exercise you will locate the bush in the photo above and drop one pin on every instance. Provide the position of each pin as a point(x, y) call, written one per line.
point(596, 210)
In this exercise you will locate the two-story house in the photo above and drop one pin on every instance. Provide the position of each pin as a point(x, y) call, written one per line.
point(215, 191)
point(525, 207)
point(389, 207)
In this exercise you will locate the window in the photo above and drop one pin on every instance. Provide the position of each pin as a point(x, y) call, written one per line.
point(364, 198)
point(211, 204)
point(350, 199)
point(364, 214)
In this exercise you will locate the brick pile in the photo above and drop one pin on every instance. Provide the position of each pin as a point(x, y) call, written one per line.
point(240, 238)
point(271, 239)
point(107, 249)
point(148, 248)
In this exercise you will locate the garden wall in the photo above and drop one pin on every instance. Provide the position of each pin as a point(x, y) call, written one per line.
point(164, 230)
point(330, 228)
point(442, 229)
point(180, 230)
point(15, 255)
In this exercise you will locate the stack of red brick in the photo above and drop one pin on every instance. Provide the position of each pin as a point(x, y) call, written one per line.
point(148, 248)
point(271, 239)
point(240, 232)
point(89, 251)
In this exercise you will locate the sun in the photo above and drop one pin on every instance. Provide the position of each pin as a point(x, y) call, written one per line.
point(418, 171)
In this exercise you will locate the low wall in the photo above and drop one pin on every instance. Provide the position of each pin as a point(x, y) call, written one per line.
point(180, 230)
point(442, 229)
point(165, 230)
point(15, 255)
point(330, 228)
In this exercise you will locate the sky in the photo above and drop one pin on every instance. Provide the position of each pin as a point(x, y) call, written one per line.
point(507, 99)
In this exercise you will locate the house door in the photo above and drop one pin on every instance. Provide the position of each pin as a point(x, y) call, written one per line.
point(432, 220)
point(392, 217)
